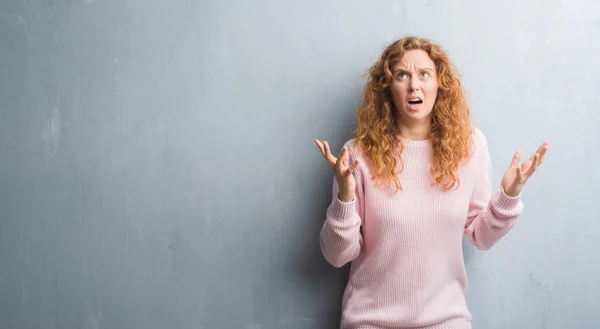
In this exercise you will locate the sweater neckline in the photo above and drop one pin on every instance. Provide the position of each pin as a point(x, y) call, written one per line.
point(414, 143)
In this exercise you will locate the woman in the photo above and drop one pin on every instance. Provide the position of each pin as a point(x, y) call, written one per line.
point(415, 177)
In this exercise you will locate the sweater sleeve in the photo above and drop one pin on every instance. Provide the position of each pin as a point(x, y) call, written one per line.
point(341, 237)
point(491, 213)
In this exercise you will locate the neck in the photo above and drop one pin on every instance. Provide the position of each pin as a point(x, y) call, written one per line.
point(415, 130)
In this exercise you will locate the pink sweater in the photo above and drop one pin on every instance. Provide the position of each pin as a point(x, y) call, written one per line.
point(407, 268)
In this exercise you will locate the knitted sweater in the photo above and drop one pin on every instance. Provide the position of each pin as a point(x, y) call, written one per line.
point(405, 249)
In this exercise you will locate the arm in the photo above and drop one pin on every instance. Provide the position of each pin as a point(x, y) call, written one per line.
point(491, 214)
point(340, 238)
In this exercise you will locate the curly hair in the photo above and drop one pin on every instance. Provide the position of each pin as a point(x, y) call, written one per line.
point(376, 133)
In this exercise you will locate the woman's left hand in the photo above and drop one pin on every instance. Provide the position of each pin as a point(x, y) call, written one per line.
point(516, 175)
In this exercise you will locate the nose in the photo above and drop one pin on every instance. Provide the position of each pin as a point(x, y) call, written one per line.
point(414, 85)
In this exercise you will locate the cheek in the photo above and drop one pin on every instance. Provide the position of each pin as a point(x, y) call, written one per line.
point(432, 91)
point(398, 92)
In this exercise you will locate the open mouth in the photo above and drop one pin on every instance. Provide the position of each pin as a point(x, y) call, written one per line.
point(415, 101)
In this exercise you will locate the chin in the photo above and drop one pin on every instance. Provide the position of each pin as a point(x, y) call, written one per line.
point(417, 115)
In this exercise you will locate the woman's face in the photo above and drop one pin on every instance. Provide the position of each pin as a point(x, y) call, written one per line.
point(414, 88)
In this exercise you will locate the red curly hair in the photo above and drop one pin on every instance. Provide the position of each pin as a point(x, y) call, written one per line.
point(377, 135)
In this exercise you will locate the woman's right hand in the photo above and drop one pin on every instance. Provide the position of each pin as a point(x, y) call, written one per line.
point(341, 170)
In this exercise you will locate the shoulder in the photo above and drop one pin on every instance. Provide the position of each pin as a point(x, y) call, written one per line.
point(478, 140)
point(478, 136)
point(479, 146)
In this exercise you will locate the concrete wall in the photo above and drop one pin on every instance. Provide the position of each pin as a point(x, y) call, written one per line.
point(157, 165)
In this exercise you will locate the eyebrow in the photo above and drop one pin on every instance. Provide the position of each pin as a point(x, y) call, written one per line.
point(396, 71)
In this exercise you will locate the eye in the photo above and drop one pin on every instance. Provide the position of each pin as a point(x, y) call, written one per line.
point(402, 75)
point(425, 75)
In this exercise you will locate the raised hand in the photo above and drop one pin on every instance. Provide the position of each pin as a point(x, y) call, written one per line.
point(341, 170)
point(517, 175)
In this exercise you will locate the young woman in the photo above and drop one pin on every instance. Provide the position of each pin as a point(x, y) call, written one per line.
point(415, 177)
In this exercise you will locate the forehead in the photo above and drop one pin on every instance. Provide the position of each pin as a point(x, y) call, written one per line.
point(417, 59)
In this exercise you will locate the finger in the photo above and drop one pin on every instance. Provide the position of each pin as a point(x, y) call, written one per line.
point(346, 158)
point(520, 177)
point(542, 147)
point(330, 157)
point(327, 150)
point(526, 166)
point(320, 146)
point(542, 152)
point(536, 162)
point(341, 161)
point(516, 158)
point(532, 157)
point(352, 167)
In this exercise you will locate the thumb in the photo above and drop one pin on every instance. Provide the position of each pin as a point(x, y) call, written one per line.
point(520, 177)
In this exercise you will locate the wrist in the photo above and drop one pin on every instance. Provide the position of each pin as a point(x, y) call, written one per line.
point(513, 193)
point(346, 197)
